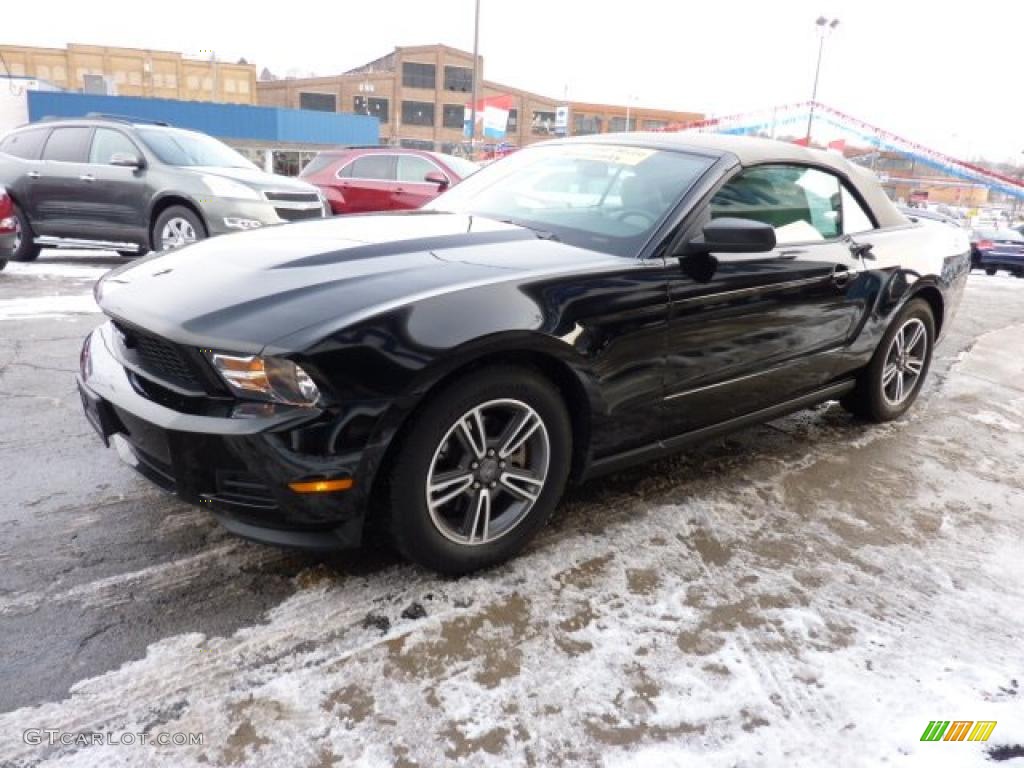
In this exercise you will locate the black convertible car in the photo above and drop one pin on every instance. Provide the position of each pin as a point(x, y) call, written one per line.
point(574, 308)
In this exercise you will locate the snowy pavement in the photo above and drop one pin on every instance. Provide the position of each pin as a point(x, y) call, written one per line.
point(807, 593)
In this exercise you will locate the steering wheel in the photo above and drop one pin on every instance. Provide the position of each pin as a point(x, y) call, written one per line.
point(626, 213)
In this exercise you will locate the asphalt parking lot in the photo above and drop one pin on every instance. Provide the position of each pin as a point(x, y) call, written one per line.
point(808, 592)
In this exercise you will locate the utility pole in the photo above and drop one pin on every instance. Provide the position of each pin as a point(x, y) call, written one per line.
point(824, 26)
point(476, 81)
point(213, 66)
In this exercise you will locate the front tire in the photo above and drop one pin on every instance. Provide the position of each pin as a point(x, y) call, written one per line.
point(990, 270)
point(177, 227)
point(480, 470)
point(25, 248)
point(893, 379)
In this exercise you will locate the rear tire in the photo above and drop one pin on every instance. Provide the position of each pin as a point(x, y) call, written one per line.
point(26, 248)
point(889, 385)
point(990, 270)
point(460, 502)
point(176, 227)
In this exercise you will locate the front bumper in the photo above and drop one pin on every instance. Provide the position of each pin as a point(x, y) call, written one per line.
point(217, 212)
point(239, 468)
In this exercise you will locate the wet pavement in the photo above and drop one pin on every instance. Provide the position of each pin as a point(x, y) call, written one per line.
point(809, 591)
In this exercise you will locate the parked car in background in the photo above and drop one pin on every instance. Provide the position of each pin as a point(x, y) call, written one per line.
point(922, 214)
point(449, 370)
point(367, 179)
point(8, 227)
point(995, 249)
point(132, 186)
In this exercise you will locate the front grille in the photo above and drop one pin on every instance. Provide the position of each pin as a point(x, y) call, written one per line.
point(293, 197)
point(159, 357)
point(298, 214)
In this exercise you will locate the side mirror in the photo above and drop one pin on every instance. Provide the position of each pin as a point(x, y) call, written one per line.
point(126, 160)
point(728, 235)
point(436, 177)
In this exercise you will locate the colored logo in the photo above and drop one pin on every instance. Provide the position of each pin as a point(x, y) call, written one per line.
point(958, 730)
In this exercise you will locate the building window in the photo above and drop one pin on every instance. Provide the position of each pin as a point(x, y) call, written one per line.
point(618, 124)
point(171, 81)
point(427, 146)
point(416, 75)
point(655, 125)
point(318, 102)
point(229, 85)
point(243, 86)
point(513, 121)
point(454, 116)
point(583, 125)
point(378, 108)
point(543, 123)
point(458, 79)
point(417, 113)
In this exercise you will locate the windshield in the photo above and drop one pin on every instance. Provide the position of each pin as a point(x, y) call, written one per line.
point(460, 165)
point(177, 147)
point(601, 196)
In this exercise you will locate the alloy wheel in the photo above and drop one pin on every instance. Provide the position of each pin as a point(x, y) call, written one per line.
point(17, 234)
point(488, 472)
point(904, 361)
point(176, 233)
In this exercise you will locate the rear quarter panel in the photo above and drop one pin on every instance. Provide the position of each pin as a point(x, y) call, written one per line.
point(911, 259)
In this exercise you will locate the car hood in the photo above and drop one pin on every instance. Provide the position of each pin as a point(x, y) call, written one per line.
point(254, 178)
point(244, 292)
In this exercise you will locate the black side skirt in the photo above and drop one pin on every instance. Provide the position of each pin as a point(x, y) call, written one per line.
point(673, 444)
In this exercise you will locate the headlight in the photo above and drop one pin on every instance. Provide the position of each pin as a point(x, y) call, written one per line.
point(222, 187)
point(271, 379)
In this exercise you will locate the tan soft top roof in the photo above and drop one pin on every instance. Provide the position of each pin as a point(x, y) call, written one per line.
point(751, 150)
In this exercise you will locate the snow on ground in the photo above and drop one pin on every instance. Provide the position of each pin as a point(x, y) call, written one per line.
point(45, 269)
point(46, 306)
point(810, 593)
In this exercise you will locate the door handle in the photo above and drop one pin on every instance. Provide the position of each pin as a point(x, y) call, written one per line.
point(87, 177)
point(33, 174)
point(841, 276)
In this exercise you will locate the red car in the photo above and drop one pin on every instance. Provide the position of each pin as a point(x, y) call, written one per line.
point(364, 179)
point(8, 227)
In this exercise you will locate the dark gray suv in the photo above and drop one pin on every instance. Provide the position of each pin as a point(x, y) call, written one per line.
point(132, 186)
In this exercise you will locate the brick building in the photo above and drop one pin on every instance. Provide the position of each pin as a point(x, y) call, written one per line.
point(419, 94)
point(132, 72)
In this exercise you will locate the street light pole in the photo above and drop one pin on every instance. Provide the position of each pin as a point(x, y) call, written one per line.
point(476, 81)
point(824, 26)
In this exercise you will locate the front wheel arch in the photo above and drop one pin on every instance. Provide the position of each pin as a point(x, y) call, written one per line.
point(557, 372)
point(171, 201)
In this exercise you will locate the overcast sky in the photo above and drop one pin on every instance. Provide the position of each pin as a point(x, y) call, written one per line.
point(947, 75)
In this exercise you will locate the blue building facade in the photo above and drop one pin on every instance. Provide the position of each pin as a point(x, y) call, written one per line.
point(225, 121)
point(280, 140)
